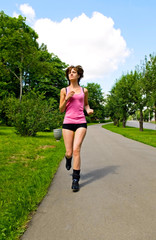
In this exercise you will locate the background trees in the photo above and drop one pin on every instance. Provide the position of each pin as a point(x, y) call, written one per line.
point(150, 75)
point(23, 64)
point(96, 101)
point(133, 92)
point(18, 46)
point(47, 76)
point(28, 70)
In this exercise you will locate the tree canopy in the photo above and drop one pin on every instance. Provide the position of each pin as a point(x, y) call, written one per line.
point(23, 64)
point(26, 67)
point(134, 91)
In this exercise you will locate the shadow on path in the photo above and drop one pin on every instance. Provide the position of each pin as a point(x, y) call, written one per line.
point(97, 174)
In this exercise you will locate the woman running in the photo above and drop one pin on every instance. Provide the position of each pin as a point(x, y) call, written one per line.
point(73, 100)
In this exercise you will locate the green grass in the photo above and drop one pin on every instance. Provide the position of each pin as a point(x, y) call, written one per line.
point(27, 166)
point(147, 136)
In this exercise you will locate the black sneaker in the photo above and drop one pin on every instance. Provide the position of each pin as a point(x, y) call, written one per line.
point(68, 163)
point(75, 185)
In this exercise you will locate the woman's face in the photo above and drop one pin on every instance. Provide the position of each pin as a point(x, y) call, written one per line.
point(73, 75)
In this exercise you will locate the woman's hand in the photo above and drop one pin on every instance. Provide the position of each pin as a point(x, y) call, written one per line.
point(69, 95)
point(90, 111)
point(64, 98)
point(87, 108)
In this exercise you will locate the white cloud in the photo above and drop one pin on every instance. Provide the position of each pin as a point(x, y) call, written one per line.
point(15, 14)
point(92, 42)
point(27, 11)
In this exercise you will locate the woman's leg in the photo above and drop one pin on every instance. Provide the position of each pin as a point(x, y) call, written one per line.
point(68, 137)
point(78, 139)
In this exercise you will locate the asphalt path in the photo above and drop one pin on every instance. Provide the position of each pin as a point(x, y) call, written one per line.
point(117, 197)
point(145, 125)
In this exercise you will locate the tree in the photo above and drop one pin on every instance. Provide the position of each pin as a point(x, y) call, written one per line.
point(47, 75)
point(124, 92)
point(133, 92)
point(24, 65)
point(113, 107)
point(120, 101)
point(139, 94)
point(150, 76)
point(18, 46)
point(96, 101)
point(127, 96)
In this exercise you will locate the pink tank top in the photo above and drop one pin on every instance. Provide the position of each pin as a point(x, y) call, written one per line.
point(74, 109)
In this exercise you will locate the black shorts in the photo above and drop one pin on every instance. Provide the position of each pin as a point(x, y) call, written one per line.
point(73, 127)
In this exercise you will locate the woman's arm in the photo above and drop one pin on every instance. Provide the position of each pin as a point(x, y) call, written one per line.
point(64, 99)
point(86, 105)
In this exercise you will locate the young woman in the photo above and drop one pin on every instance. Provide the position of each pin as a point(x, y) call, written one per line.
point(73, 100)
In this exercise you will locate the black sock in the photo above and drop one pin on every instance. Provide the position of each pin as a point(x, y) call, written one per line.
point(68, 163)
point(76, 174)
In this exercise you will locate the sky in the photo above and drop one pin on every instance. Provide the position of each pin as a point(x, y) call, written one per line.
point(107, 38)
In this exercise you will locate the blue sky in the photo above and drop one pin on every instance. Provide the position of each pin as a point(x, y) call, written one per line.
point(135, 20)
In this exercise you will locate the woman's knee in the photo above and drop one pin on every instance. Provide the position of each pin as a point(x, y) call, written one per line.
point(69, 153)
point(76, 151)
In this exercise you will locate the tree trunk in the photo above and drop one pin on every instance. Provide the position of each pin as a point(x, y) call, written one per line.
point(115, 122)
point(124, 122)
point(155, 113)
point(141, 120)
point(21, 84)
point(118, 122)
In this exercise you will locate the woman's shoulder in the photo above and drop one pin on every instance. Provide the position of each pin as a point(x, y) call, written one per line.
point(85, 90)
point(63, 90)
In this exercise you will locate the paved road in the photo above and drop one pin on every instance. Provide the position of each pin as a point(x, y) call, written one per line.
point(145, 125)
point(117, 198)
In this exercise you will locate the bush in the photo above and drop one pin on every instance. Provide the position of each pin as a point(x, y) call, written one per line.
point(8, 110)
point(33, 114)
point(0, 111)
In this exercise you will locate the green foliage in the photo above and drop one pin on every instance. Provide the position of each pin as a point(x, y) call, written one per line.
point(27, 166)
point(8, 109)
point(1, 112)
point(33, 114)
point(133, 92)
point(96, 102)
point(24, 65)
point(18, 47)
point(150, 76)
point(147, 115)
point(47, 76)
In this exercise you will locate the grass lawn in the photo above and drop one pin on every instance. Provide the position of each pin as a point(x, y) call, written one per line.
point(147, 136)
point(27, 166)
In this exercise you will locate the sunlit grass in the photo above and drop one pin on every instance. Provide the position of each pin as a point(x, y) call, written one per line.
point(147, 136)
point(27, 166)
